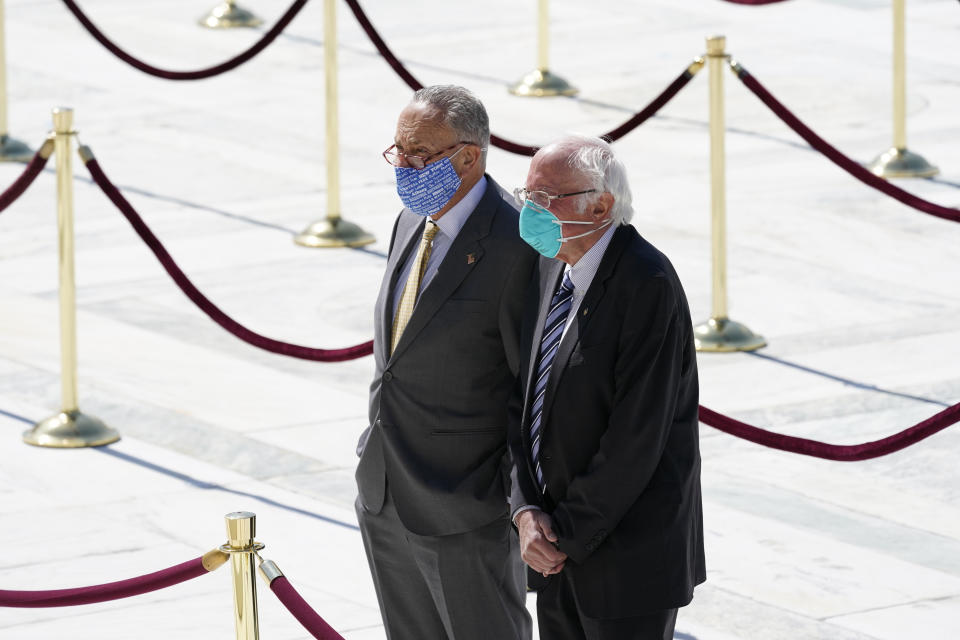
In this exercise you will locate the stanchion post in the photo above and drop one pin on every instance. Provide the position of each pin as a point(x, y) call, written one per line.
point(227, 15)
point(332, 231)
point(70, 428)
point(720, 333)
point(241, 545)
point(898, 161)
point(540, 82)
point(10, 150)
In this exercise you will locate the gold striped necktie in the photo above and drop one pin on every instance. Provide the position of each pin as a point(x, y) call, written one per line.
point(409, 298)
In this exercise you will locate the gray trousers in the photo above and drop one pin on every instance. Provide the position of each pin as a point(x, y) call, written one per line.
point(468, 586)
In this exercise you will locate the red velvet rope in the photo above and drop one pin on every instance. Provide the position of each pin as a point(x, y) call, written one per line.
point(843, 453)
point(302, 611)
point(381, 46)
point(205, 305)
point(199, 74)
point(647, 112)
point(110, 591)
point(30, 173)
point(514, 147)
point(842, 161)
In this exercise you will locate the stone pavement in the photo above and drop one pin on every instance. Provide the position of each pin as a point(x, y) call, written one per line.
point(856, 294)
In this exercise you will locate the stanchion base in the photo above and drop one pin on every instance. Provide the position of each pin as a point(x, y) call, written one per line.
point(228, 16)
point(70, 430)
point(540, 83)
point(337, 232)
point(901, 163)
point(13, 150)
point(725, 335)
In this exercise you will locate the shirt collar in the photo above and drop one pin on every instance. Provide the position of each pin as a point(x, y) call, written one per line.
point(582, 273)
point(453, 220)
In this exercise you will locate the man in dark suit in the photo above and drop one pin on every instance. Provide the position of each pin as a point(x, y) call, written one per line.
point(606, 484)
point(433, 475)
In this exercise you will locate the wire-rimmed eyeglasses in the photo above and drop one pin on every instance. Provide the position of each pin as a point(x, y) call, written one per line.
point(392, 155)
point(542, 198)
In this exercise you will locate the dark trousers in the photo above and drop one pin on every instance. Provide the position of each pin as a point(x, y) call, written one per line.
point(468, 586)
point(560, 618)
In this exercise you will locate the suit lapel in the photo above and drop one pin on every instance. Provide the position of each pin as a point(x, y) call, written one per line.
point(620, 240)
point(588, 305)
point(407, 240)
point(462, 257)
point(550, 272)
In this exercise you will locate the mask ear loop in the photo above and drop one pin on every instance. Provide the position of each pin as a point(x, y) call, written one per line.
point(454, 154)
point(561, 222)
point(605, 224)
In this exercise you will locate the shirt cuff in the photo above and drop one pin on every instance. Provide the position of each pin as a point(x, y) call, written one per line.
point(528, 507)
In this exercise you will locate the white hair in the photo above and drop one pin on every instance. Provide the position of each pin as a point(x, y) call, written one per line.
point(593, 158)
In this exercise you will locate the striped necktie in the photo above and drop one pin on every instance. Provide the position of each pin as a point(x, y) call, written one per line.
point(549, 345)
point(410, 290)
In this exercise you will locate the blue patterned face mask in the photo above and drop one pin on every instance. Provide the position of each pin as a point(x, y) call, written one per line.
point(426, 191)
point(541, 229)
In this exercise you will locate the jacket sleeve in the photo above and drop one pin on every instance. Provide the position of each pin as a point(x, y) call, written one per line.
point(647, 376)
point(522, 491)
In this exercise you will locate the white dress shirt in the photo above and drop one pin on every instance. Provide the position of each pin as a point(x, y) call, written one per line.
point(583, 272)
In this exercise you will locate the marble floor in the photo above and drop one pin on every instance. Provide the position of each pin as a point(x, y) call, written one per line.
point(856, 294)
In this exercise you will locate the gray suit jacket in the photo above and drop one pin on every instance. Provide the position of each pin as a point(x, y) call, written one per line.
point(440, 405)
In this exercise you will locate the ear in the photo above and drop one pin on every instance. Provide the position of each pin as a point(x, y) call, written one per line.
point(603, 206)
point(471, 155)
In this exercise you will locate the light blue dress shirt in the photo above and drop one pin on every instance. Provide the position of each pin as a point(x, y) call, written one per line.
point(449, 225)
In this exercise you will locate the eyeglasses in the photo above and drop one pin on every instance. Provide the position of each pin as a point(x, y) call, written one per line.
point(392, 155)
point(542, 198)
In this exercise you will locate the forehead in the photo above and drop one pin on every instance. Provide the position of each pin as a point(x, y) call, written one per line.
point(421, 125)
point(550, 172)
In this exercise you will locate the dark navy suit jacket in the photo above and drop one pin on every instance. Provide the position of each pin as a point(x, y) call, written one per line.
point(619, 443)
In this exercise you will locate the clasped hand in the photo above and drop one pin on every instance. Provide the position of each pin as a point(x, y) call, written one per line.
point(537, 542)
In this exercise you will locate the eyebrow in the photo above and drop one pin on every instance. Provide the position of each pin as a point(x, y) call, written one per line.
point(418, 147)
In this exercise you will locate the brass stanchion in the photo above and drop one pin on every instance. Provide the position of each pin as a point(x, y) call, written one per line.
point(227, 15)
point(898, 161)
point(10, 150)
point(333, 231)
point(241, 530)
point(541, 82)
point(70, 428)
point(720, 333)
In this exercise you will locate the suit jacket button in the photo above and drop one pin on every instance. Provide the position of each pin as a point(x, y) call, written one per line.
point(387, 376)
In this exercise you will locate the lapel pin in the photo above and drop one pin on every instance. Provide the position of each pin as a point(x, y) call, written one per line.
point(585, 311)
point(471, 258)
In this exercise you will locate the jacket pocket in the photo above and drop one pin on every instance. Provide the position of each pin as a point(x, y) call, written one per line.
point(471, 431)
point(581, 353)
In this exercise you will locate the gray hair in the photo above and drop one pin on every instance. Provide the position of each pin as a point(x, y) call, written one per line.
point(594, 159)
point(463, 111)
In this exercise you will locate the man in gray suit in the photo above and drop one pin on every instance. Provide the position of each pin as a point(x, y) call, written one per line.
point(434, 471)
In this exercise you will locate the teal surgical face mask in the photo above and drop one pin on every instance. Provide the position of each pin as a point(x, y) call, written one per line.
point(541, 229)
